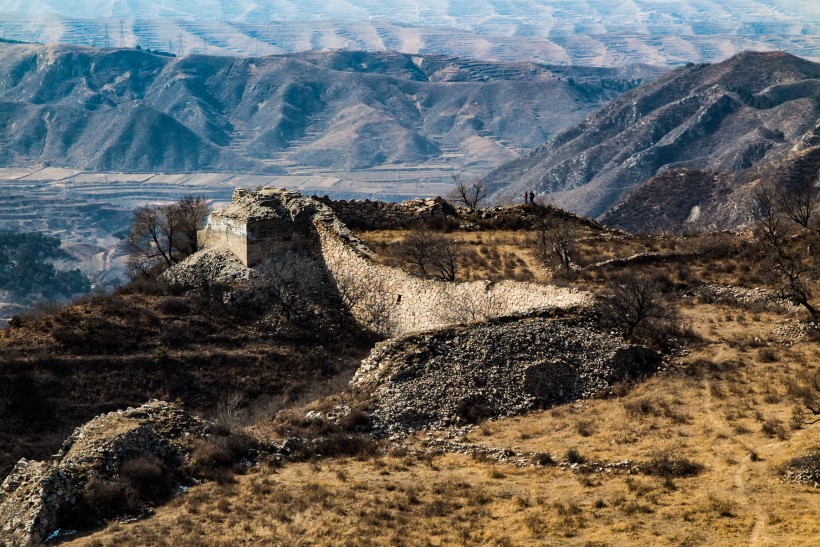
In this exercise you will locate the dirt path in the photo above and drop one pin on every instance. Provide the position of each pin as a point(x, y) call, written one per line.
point(739, 479)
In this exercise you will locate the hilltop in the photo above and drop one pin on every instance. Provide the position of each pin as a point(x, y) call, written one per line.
point(706, 133)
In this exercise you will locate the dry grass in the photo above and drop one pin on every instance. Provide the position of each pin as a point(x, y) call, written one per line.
point(711, 470)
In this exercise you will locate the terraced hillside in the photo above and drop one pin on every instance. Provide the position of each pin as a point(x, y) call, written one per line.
point(337, 110)
point(593, 32)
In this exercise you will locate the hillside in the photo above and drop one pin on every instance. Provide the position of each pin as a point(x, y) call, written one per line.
point(738, 119)
point(542, 426)
point(338, 110)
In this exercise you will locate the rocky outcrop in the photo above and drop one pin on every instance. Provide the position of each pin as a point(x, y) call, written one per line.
point(499, 368)
point(31, 498)
point(35, 494)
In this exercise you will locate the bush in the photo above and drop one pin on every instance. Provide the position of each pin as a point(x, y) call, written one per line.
point(174, 305)
point(108, 499)
point(149, 476)
point(219, 452)
point(573, 456)
point(774, 428)
point(665, 465)
point(141, 481)
point(544, 459)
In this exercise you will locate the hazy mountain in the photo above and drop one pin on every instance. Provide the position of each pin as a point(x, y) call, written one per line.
point(124, 109)
point(592, 32)
point(734, 118)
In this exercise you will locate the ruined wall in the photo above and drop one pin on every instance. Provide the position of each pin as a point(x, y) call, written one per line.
point(380, 215)
point(393, 302)
point(388, 300)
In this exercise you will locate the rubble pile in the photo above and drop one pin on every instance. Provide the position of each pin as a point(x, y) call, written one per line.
point(501, 368)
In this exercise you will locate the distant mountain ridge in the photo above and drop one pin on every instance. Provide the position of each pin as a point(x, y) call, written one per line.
point(702, 132)
point(589, 33)
point(126, 109)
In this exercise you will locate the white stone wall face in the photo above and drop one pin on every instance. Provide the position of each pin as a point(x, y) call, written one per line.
point(395, 303)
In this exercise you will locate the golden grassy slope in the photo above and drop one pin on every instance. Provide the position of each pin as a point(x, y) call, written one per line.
point(726, 405)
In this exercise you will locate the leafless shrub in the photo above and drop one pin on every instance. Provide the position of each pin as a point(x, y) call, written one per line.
point(804, 388)
point(574, 456)
point(774, 428)
point(664, 464)
point(469, 194)
point(635, 305)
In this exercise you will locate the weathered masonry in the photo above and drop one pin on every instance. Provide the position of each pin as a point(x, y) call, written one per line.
point(259, 224)
point(270, 222)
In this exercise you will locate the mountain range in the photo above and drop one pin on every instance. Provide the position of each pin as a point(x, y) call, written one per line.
point(134, 110)
point(592, 32)
point(687, 147)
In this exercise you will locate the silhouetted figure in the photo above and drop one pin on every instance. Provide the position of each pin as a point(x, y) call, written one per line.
point(532, 197)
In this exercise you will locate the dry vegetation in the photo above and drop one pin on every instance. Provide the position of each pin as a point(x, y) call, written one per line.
point(726, 407)
point(706, 441)
point(61, 366)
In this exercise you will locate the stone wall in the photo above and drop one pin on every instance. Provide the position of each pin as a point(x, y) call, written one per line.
point(392, 302)
point(387, 300)
point(380, 215)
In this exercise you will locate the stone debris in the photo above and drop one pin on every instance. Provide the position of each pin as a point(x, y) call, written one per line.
point(733, 295)
point(212, 266)
point(34, 494)
point(381, 215)
point(457, 375)
point(804, 470)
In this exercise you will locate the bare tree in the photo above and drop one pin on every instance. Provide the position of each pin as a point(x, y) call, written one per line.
point(800, 202)
point(792, 256)
point(417, 250)
point(635, 302)
point(555, 237)
point(163, 235)
point(470, 194)
point(447, 255)
point(432, 255)
point(190, 213)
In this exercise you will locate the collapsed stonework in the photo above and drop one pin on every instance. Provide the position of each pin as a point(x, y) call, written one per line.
point(494, 369)
point(271, 222)
point(35, 494)
point(381, 215)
